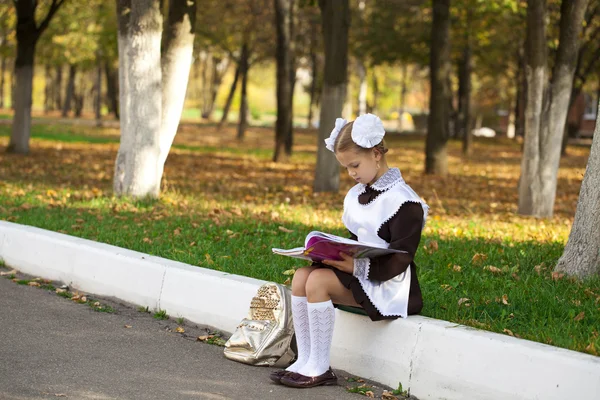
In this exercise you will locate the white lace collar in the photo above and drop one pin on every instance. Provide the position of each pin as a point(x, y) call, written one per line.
point(385, 181)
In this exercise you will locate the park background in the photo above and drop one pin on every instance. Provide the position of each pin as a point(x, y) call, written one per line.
point(227, 196)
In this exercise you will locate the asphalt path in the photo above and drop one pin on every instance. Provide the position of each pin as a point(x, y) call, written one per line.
point(51, 347)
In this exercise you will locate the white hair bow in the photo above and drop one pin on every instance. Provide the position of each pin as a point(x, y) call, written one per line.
point(330, 142)
point(367, 131)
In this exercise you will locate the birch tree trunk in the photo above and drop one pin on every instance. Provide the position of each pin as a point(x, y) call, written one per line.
point(335, 25)
point(21, 127)
point(436, 157)
point(581, 257)
point(547, 107)
point(283, 125)
point(137, 170)
point(176, 64)
point(28, 33)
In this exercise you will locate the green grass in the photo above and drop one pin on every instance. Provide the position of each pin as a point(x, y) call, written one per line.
point(161, 314)
point(519, 296)
point(539, 308)
point(143, 309)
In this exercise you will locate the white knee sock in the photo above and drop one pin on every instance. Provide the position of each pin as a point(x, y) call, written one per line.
point(322, 318)
point(301, 328)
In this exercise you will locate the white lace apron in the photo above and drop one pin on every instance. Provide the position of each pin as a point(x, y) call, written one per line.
point(364, 220)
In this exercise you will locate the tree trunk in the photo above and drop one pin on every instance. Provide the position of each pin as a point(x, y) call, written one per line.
point(137, 164)
point(176, 63)
point(547, 107)
point(375, 84)
point(283, 125)
point(314, 69)
point(47, 89)
point(403, 90)
point(569, 128)
point(335, 25)
point(521, 99)
point(27, 36)
point(581, 257)
point(98, 93)
point(112, 89)
point(70, 90)
point(243, 117)
point(236, 76)
point(2, 74)
point(58, 104)
point(289, 139)
point(436, 157)
point(464, 99)
point(21, 127)
point(205, 64)
point(219, 69)
point(362, 88)
point(79, 100)
point(13, 87)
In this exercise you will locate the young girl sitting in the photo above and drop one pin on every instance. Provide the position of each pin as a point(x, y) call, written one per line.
point(380, 209)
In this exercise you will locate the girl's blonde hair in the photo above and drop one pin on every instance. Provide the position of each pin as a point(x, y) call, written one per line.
point(344, 142)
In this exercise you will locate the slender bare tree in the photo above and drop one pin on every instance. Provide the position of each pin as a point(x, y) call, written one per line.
point(547, 104)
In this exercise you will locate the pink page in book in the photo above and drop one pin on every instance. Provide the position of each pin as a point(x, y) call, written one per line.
point(322, 249)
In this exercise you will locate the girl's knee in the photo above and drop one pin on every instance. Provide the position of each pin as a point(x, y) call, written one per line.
point(299, 280)
point(317, 282)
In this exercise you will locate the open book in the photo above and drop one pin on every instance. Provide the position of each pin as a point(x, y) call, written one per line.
point(319, 246)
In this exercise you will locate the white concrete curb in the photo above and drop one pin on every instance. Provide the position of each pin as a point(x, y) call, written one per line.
point(434, 359)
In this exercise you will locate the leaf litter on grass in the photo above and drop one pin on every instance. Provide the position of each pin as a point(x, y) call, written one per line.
point(221, 191)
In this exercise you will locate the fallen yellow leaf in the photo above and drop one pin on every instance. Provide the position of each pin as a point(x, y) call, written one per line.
point(180, 330)
point(492, 269)
point(464, 301)
point(478, 258)
point(388, 396)
point(579, 316)
point(556, 276)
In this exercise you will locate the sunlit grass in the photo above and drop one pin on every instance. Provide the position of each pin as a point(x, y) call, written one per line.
point(225, 205)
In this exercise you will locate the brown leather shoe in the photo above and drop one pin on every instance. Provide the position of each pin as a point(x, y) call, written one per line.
point(277, 375)
point(300, 381)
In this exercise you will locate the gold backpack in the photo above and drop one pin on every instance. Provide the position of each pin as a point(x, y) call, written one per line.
point(265, 336)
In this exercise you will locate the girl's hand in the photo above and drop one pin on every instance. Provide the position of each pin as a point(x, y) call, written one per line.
point(346, 265)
